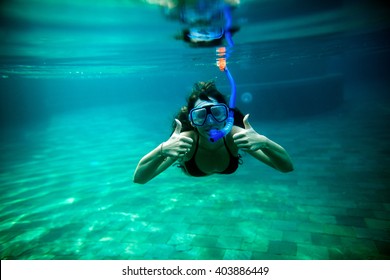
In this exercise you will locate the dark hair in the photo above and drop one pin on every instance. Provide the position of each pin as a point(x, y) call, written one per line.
point(203, 91)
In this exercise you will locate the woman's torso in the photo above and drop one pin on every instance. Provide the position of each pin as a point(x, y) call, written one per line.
point(203, 159)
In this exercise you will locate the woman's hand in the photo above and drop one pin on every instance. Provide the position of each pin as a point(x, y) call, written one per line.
point(177, 145)
point(248, 139)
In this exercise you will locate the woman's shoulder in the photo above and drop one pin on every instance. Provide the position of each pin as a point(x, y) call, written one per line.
point(235, 129)
point(229, 139)
point(190, 133)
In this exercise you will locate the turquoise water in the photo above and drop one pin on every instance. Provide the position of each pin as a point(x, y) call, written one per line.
point(86, 93)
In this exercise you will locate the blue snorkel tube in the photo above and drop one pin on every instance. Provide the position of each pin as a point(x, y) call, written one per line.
point(216, 134)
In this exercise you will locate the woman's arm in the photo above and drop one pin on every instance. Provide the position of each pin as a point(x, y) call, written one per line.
point(151, 165)
point(262, 148)
point(163, 156)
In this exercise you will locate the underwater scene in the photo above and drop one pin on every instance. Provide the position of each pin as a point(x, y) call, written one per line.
point(88, 88)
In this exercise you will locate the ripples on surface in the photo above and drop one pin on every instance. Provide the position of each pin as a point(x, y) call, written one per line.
point(71, 39)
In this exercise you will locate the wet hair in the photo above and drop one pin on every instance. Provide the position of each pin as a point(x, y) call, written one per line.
point(203, 91)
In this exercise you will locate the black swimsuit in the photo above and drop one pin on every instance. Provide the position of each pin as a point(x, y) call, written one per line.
point(192, 169)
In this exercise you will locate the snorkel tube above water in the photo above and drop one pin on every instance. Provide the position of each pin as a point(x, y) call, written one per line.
point(216, 134)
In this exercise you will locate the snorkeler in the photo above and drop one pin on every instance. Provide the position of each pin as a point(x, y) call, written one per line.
point(190, 145)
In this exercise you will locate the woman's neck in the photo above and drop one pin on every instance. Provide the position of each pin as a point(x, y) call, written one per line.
point(206, 144)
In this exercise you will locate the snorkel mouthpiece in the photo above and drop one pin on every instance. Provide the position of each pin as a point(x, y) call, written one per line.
point(216, 134)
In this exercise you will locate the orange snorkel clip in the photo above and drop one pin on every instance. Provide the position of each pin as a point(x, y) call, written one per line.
point(221, 60)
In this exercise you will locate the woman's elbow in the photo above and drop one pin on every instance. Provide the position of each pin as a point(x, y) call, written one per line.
point(287, 168)
point(139, 180)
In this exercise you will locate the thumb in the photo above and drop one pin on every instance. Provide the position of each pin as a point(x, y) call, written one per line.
point(178, 127)
point(246, 122)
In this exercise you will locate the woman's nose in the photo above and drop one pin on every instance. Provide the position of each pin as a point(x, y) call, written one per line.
point(210, 119)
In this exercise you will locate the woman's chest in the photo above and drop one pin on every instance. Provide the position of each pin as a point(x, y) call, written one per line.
point(212, 162)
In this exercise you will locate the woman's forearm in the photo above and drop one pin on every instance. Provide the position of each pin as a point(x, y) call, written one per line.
point(151, 165)
point(163, 156)
point(277, 156)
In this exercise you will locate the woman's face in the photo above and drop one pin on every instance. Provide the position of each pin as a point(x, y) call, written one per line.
point(210, 122)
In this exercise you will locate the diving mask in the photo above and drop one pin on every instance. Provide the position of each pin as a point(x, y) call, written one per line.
point(219, 113)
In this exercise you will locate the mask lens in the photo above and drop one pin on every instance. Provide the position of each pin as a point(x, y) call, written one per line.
point(219, 112)
point(198, 116)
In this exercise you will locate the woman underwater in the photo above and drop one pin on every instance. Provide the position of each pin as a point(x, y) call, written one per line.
point(190, 146)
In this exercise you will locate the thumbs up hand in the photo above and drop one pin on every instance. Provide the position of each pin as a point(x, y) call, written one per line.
point(248, 139)
point(177, 145)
